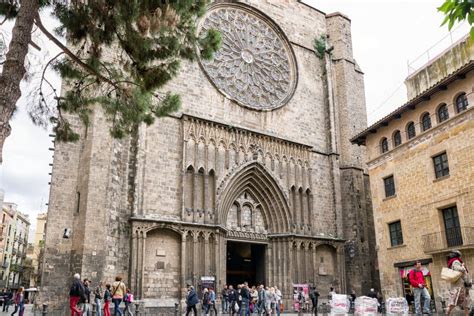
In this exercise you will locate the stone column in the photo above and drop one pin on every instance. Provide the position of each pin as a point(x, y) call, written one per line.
point(205, 202)
point(183, 259)
point(142, 268)
point(196, 192)
point(217, 261)
point(206, 253)
point(290, 265)
point(342, 267)
point(195, 255)
point(269, 264)
point(134, 255)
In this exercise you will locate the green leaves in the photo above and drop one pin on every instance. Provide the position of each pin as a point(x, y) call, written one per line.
point(320, 46)
point(458, 11)
point(122, 53)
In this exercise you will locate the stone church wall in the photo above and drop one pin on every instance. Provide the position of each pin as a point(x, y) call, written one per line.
point(154, 207)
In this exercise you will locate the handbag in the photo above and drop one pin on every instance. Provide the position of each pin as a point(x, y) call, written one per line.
point(450, 275)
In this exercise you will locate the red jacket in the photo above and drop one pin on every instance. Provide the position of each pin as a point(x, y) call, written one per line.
point(416, 277)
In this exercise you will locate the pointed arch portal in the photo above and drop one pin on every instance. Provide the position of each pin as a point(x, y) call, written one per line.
point(255, 180)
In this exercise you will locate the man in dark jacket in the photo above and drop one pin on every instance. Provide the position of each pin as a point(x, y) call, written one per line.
point(191, 301)
point(245, 306)
point(314, 295)
point(232, 299)
point(225, 299)
point(8, 297)
point(261, 300)
point(75, 294)
point(86, 307)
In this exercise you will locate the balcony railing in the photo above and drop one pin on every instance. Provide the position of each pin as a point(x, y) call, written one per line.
point(462, 237)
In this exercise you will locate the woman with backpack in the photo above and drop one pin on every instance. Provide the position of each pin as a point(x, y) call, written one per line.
point(118, 291)
point(128, 299)
point(107, 299)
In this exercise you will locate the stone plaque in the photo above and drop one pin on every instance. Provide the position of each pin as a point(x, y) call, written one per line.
point(255, 66)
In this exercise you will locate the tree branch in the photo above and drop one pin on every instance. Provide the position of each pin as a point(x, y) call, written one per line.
point(70, 54)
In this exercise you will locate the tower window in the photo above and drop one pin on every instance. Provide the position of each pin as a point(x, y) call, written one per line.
point(426, 122)
point(443, 114)
point(461, 102)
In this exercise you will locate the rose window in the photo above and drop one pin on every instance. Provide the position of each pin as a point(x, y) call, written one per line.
point(255, 65)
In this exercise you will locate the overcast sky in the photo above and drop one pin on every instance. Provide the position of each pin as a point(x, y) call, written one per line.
point(385, 35)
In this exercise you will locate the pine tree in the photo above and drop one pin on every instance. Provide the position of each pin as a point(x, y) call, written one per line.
point(148, 39)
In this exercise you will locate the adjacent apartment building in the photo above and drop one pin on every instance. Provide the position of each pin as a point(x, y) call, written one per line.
point(14, 228)
point(421, 168)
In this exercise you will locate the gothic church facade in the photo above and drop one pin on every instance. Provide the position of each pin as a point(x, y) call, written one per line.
point(254, 179)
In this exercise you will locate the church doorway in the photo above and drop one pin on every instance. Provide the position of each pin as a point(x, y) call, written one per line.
point(245, 263)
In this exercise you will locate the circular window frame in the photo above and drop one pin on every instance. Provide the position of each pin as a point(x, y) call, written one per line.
point(293, 65)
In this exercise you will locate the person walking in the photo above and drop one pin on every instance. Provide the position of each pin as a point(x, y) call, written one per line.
point(86, 307)
point(118, 291)
point(107, 299)
point(205, 301)
point(225, 299)
point(270, 300)
point(278, 297)
point(98, 296)
point(8, 300)
point(128, 299)
point(459, 292)
point(232, 300)
point(314, 296)
point(76, 292)
point(253, 300)
point(261, 300)
point(212, 301)
point(19, 302)
point(245, 294)
point(191, 301)
point(418, 283)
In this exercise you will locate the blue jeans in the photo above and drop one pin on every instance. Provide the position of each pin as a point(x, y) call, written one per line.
point(117, 310)
point(277, 307)
point(245, 308)
point(423, 292)
point(98, 310)
point(225, 304)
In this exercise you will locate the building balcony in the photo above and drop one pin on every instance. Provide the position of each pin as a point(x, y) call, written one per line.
point(445, 240)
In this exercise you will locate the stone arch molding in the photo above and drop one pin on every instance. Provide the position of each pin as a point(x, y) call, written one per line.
point(256, 180)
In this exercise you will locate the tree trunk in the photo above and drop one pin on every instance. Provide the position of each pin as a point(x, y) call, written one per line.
point(14, 66)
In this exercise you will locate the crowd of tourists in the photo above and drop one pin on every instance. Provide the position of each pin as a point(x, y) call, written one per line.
point(242, 300)
point(80, 295)
point(9, 297)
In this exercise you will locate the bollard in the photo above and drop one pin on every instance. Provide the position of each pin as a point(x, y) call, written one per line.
point(137, 309)
point(94, 309)
point(176, 309)
point(45, 310)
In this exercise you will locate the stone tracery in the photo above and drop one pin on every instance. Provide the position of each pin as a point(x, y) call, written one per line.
point(255, 65)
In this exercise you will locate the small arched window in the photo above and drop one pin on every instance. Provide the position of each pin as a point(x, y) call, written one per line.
point(384, 145)
point(426, 122)
point(461, 102)
point(443, 114)
point(397, 139)
point(411, 132)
